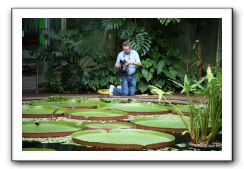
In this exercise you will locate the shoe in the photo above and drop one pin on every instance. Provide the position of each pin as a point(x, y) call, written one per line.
point(111, 89)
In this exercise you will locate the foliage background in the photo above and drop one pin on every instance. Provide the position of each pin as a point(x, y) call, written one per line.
point(81, 57)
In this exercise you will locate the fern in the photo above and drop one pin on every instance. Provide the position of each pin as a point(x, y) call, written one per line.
point(77, 46)
point(88, 65)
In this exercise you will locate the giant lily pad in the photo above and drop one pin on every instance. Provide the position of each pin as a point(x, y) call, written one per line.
point(108, 125)
point(48, 129)
point(139, 108)
point(165, 123)
point(71, 103)
point(184, 108)
point(129, 139)
point(29, 111)
point(37, 149)
point(96, 114)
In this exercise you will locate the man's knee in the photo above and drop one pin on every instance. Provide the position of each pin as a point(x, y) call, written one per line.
point(125, 92)
point(132, 92)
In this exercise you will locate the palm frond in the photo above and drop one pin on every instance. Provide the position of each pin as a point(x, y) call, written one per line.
point(113, 23)
point(167, 21)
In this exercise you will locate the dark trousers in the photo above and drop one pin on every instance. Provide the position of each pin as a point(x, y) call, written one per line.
point(128, 86)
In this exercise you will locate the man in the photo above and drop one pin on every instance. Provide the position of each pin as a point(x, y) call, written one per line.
point(127, 61)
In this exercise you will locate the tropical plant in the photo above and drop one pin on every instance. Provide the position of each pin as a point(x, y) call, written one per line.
point(213, 91)
point(126, 30)
point(167, 21)
point(205, 117)
point(158, 68)
point(72, 64)
point(137, 36)
point(113, 23)
point(161, 95)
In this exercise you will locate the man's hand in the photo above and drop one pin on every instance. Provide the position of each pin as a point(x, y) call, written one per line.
point(117, 66)
point(129, 63)
point(133, 63)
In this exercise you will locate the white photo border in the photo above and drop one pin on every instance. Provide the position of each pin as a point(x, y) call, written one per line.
point(227, 148)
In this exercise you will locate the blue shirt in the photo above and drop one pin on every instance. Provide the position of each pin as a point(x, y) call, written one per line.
point(133, 57)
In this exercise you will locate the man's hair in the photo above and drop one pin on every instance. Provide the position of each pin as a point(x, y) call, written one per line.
point(126, 43)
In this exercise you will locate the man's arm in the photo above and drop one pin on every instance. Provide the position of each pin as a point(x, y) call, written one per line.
point(117, 63)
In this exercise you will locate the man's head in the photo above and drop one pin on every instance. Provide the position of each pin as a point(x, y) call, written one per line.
point(126, 47)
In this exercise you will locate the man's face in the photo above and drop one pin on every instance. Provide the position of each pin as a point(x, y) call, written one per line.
point(126, 49)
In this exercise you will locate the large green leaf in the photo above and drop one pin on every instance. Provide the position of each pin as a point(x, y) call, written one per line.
point(137, 36)
point(71, 102)
point(147, 74)
point(142, 86)
point(29, 109)
point(49, 127)
point(147, 63)
point(167, 21)
point(160, 66)
point(137, 107)
point(167, 121)
point(37, 149)
point(172, 73)
point(141, 42)
point(123, 136)
point(108, 125)
point(113, 23)
point(97, 113)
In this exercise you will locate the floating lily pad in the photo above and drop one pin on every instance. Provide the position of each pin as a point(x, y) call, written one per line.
point(139, 108)
point(96, 114)
point(37, 149)
point(130, 139)
point(166, 123)
point(71, 103)
point(48, 129)
point(114, 100)
point(184, 108)
point(29, 111)
point(108, 125)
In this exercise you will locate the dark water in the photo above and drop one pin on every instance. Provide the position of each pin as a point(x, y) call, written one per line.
point(179, 139)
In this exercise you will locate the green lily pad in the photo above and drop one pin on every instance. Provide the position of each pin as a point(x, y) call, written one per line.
point(184, 108)
point(71, 102)
point(108, 125)
point(167, 122)
point(48, 129)
point(29, 111)
point(139, 108)
point(96, 114)
point(37, 149)
point(123, 138)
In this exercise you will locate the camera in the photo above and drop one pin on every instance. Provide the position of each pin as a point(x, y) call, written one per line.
point(124, 67)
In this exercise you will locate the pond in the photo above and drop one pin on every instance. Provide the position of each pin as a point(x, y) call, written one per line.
point(81, 124)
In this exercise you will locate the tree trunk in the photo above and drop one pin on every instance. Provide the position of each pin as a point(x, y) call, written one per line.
point(218, 48)
point(199, 62)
